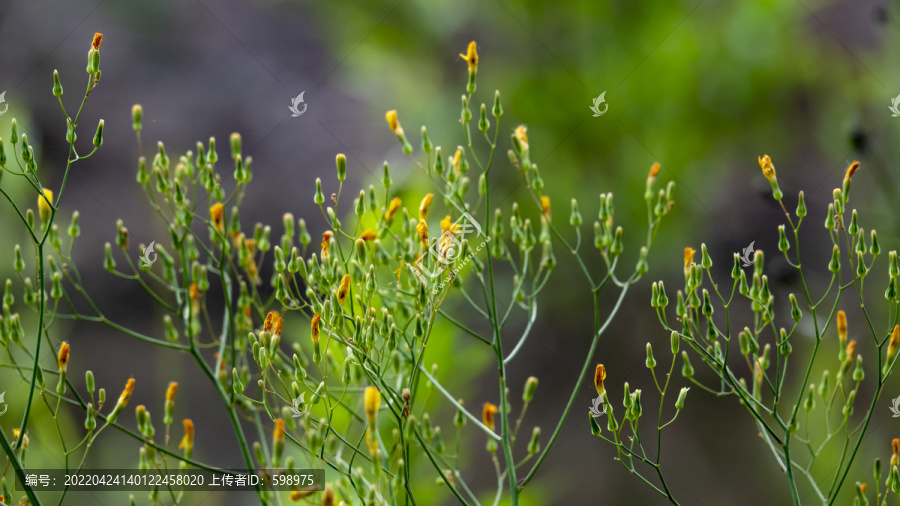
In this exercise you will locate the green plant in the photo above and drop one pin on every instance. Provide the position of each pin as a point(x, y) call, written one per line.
point(782, 412)
point(372, 296)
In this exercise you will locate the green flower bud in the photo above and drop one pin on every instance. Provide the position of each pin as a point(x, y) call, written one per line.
point(835, 264)
point(829, 217)
point(595, 427)
point(706, 261)
point(386, 181)
point(319, 198)
point(853, 228)
point(801, 206)
point(650, 362)
point(682, 395)
point(686, 369)
point(531, 385)
point(783, 244)
point(483, 123)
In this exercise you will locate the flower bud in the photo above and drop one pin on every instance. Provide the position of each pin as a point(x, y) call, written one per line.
point(650, 362)
point(531, 385)
point(686, 370)
point(98, 137)
point(682, 395)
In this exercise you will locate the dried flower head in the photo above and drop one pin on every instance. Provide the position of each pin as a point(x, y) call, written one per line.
point(487, 415)
point(270, 321)
point(326, 243)
point(422, 232)
point(344, 289)
point(471, 56)
point(315, 327)
point(63, 358)
point(98, 39)
point(277, 328)
point(425, 206)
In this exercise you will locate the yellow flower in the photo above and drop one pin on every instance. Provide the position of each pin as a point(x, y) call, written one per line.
point(895, 458)
point(455, 159)
point(851, 348)
point(63, 358)
point(326, 242)
point(45, 203)
point(422, 231)
point(16, 433)
point(447, 225)
point(471, 57)
point(368, 235)
point(170, 392)
point(545, 205)
point(98, 39)
point(188, 440)
point(689, 256)
point(126, 394)
point(768, 170)
point(599, 376)
point(278, 433)
point(372, 402)
point(393, 122)
point(315, 327)
point(296, 495)
point(392, 208)
point(344, 289)
point(424, 206)
point(216, 214)
point(521, 136)
point(487, 415)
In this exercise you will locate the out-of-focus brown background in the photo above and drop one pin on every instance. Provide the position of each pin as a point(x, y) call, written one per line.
point(702, 87)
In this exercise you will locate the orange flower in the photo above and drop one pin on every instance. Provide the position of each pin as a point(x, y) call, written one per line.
point(216, 214)
point(768, 170)
point(425, 206)
point(278, 433)
point(188, 440)
point(895, 458)
point(195, 292)
point(842, 326)
point(326, 243)
point(851, 348)
point(315, 327)
point(654, 170)
point(126, 394)
point(851, 170)
point(599, 376)
point(63, 358)
point(471, 57)
point(344, 289)
point(98, 39)
point(368, 235)
point(487, 415)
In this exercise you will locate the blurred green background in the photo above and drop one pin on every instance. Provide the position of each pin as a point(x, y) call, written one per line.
point(703, 87)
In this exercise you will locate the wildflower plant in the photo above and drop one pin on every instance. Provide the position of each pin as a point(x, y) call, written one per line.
point(757, 364)
point(322, 344)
